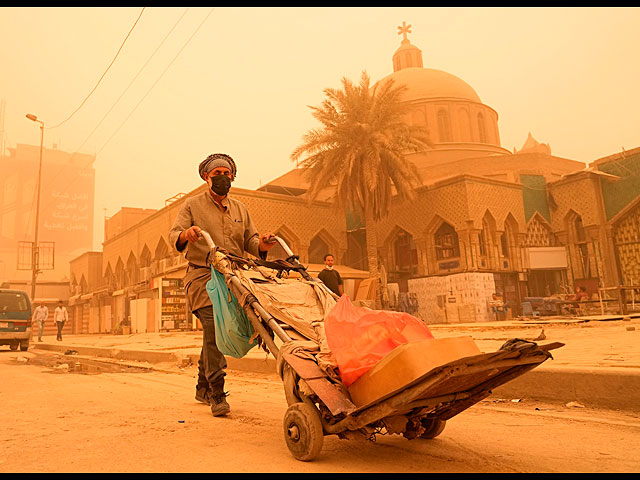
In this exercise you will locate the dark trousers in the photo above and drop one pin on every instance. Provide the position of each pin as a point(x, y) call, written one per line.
point(212, 363)
point(60, 325)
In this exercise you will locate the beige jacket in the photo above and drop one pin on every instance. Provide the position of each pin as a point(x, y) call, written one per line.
point(230, 228)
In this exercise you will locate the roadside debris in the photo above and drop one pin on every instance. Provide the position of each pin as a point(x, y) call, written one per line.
point(185, 362)
point(542, 336)
point(574, 405)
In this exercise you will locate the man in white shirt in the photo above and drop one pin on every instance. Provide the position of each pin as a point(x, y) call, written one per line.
point(60, 316)
point(40, 315)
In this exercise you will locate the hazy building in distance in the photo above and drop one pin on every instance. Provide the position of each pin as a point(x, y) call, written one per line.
point(66, 210)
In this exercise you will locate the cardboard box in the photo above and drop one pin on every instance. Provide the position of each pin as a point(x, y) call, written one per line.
point(406, 363)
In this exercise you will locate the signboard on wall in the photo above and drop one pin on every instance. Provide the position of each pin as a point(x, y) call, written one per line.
point(544, 258)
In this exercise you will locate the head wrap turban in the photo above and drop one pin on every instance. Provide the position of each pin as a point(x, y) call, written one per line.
point(217, 160)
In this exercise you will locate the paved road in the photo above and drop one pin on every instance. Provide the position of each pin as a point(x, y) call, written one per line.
point(116, 419)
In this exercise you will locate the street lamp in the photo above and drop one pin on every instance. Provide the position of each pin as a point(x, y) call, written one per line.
point(34, 252)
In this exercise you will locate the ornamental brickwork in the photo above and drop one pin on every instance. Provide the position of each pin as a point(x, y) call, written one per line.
point(626, 238)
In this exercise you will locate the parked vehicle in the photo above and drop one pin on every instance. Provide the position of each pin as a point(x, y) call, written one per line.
point(15, 319)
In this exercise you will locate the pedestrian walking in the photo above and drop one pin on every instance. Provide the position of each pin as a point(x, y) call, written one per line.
point(60, 316)
point(228, 222)
point(40, 315)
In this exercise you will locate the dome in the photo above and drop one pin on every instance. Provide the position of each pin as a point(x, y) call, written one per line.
point(428, 83)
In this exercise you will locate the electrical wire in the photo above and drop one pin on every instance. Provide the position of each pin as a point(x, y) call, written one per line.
point(103, 75)
point(156, 82)
point(77, 150)
point(131, 83)
point(149, 91)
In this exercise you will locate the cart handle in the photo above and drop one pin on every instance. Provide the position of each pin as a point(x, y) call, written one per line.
point(291, 257)
point(272, 239)
point(283, 244)
point(208, 239)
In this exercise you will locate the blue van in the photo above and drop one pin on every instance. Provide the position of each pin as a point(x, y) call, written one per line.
point(15, 319)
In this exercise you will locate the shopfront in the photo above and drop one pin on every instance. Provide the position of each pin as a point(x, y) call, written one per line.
point(546, 271)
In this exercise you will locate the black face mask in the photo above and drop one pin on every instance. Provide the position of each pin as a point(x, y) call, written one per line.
point(220, 184)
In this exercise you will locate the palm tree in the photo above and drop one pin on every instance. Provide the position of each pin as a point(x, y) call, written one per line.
point(360, 150)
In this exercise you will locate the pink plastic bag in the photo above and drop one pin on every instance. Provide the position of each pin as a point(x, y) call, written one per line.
point(360, 337)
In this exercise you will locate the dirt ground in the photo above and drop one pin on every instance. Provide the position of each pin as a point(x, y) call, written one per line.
point(71, 414)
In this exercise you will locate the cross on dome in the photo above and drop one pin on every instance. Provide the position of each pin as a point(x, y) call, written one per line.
point(407, 55)
point(403, 30)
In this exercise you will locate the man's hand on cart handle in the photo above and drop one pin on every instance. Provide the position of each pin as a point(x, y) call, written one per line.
point(267, 241)
point(192, 234)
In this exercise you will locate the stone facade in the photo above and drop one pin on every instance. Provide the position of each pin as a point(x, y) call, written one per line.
point(524, 224)
point(137, 261)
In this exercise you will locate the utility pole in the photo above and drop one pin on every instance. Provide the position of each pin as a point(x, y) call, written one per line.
point(2, 141)
point(35, 257)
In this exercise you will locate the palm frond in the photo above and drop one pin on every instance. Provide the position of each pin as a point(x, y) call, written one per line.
point(360, 148)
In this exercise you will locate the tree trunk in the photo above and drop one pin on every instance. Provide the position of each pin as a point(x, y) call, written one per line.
point(372, 251)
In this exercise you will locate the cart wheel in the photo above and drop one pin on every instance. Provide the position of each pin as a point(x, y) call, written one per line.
point(433, 427)
point(303, 431)
point(13, 346)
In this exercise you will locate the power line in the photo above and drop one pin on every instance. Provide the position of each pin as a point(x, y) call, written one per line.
point(125, 90)
point(132, 80)
point(156, 82)
point(105, 72)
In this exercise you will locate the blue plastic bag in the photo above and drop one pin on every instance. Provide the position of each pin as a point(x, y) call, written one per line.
point(233, 328)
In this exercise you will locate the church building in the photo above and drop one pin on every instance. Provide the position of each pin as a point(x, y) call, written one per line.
point(522, 224)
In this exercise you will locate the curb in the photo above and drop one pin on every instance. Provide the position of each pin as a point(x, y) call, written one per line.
point(116, 353)
point(247, 364)
point(612, 389)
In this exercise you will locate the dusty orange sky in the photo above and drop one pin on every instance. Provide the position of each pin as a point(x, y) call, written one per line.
point(242, 84)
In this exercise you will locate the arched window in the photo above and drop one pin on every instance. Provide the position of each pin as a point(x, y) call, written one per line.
point(446, 241)
point(110, 277)
point(405, 252)
point(484, 241)
point(318, 248)
point(581, 245)
point(145, 257)
point(465, 125)
point(508, 239)
point(162, 250)
point(482, 132)
point(120, 275)
point(444, 128)
point(580, 236)
point(132, 270)
point(488, 240)
point(486, 236)
point(504, 242)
